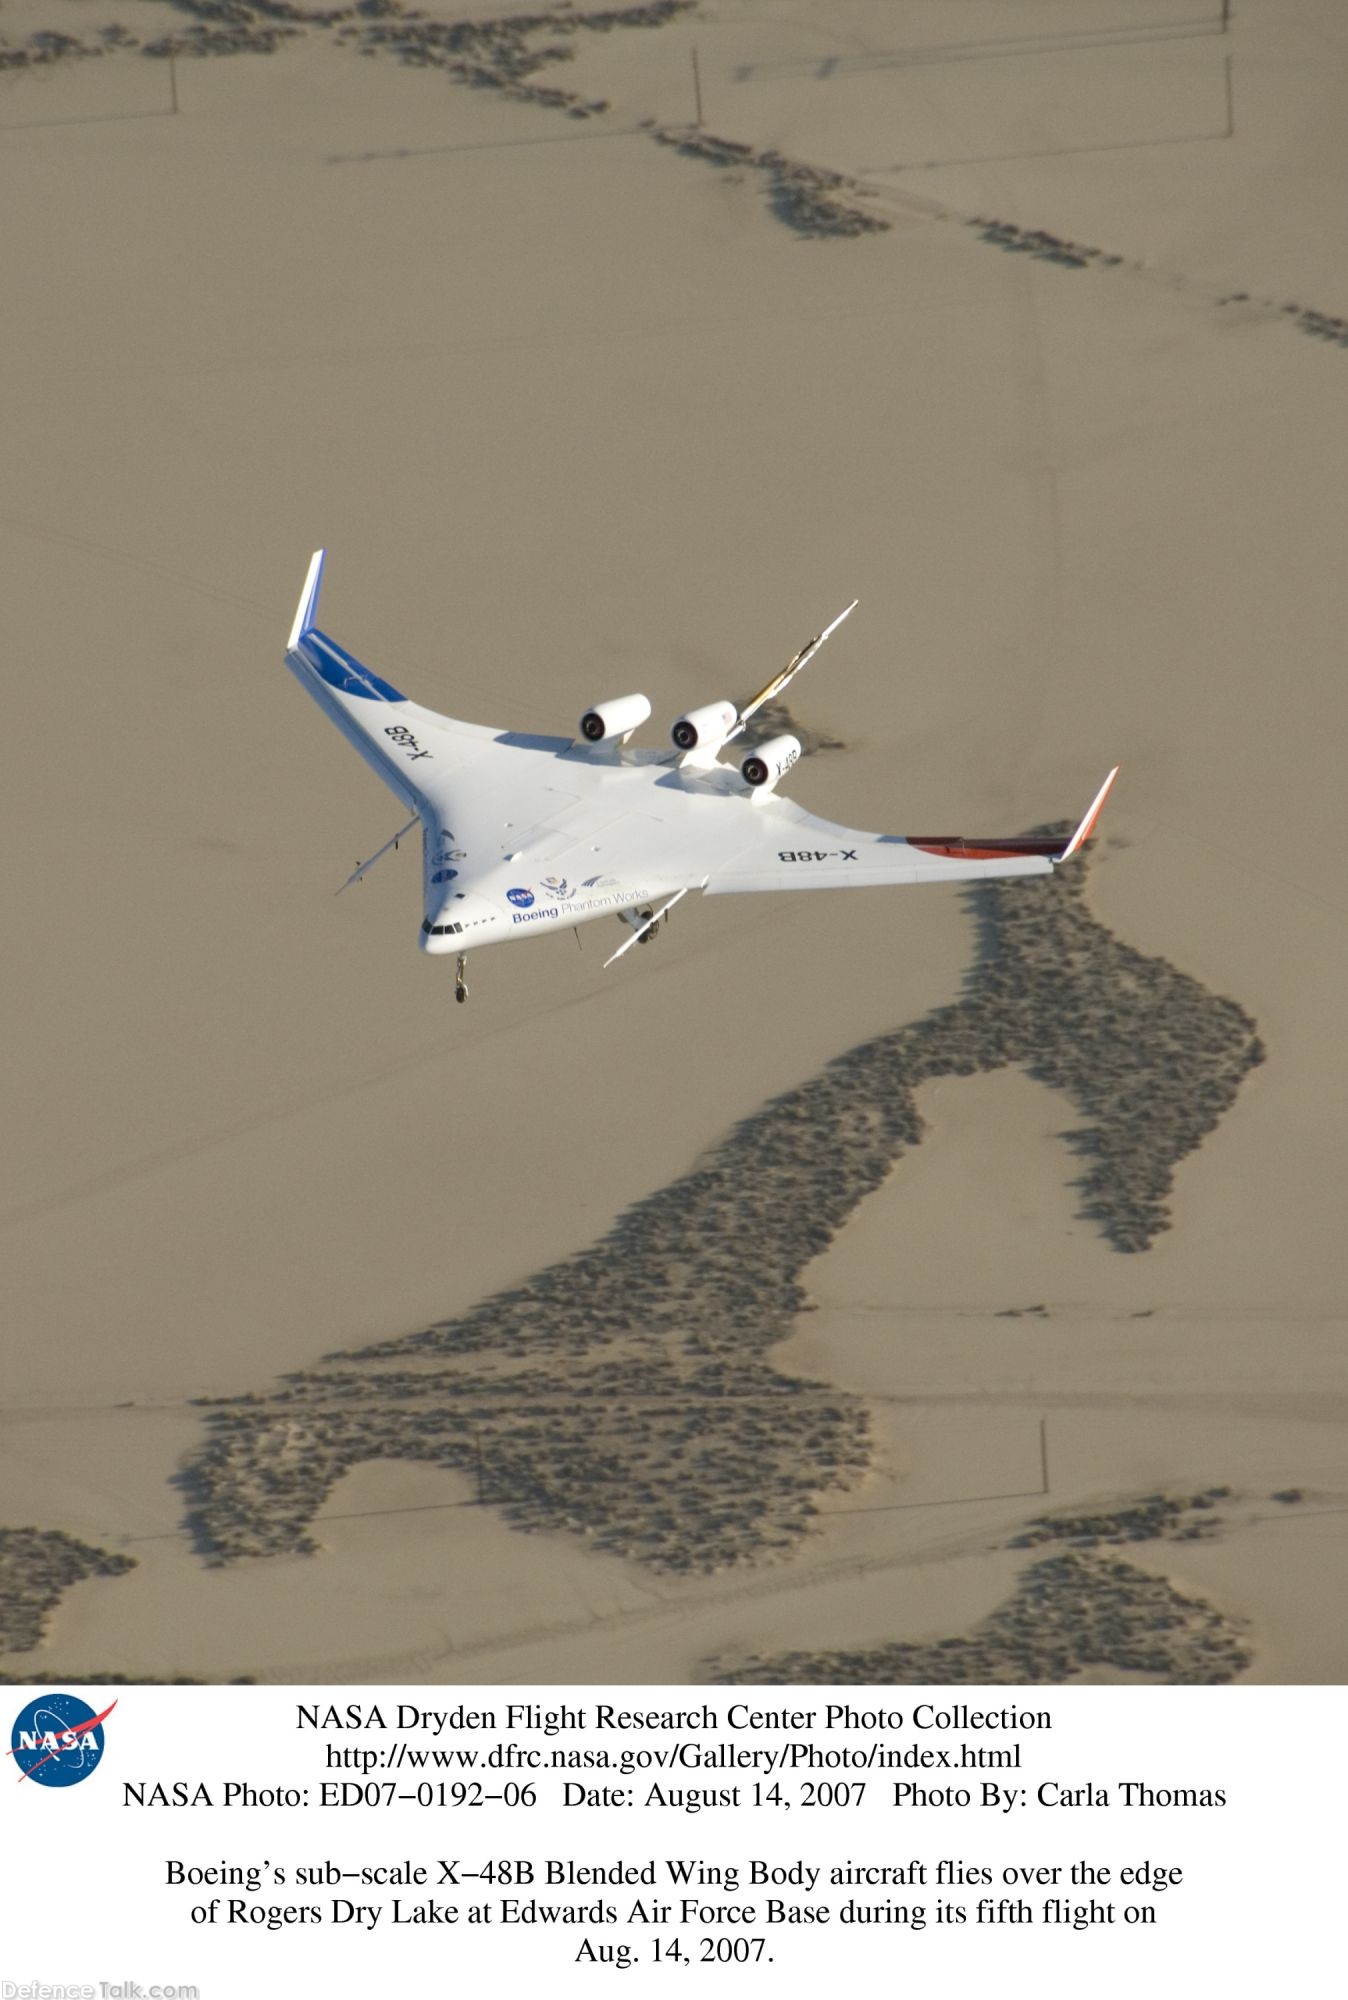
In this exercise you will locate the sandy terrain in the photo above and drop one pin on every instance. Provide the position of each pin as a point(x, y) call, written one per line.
point(577, 411)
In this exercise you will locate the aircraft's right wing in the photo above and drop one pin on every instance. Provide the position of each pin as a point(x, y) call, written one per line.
point(791, 849)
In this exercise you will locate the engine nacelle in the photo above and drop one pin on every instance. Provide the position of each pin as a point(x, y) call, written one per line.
point(770, 761)
point(608, 719)
point(706, 728)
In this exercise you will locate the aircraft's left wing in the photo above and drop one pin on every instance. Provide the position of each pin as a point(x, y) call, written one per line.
point(383, 725)
point(791, 849)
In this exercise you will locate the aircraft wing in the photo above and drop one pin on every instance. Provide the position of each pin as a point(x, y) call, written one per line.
point(410, 747)
point(519, 822)
point(791, 849)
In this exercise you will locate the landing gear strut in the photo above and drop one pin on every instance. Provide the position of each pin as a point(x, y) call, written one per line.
point(634, 919)
point(646, 922)
point(460, 988)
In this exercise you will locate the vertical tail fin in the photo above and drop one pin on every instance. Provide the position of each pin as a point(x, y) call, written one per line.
point(306, 612)
point(1083, 832)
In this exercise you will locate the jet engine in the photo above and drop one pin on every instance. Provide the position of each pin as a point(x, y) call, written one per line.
point(770, 761)
point(705, 728)
point(608, 719)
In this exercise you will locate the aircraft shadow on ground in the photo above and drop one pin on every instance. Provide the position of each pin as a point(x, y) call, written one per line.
point(627, 1394)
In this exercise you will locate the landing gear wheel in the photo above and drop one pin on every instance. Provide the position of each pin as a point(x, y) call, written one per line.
point(460, 989)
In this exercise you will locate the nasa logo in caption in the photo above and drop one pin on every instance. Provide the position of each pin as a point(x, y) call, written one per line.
point(58, 1740)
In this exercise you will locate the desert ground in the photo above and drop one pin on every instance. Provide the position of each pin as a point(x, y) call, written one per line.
point(893, 1286)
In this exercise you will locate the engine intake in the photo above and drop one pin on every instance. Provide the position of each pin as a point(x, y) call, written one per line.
point(705, 728)
point(619, 717)
point(770, 761)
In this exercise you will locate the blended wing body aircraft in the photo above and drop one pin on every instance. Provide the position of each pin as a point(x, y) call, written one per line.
point(524, 834)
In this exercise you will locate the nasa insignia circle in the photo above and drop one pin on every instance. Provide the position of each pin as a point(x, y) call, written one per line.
point(521, 898)
point(58, 1739)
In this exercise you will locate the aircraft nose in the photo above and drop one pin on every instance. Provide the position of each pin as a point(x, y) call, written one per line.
point(463, 921)
point(441, 937)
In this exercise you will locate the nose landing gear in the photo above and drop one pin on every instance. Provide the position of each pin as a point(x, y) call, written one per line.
point(460, 986)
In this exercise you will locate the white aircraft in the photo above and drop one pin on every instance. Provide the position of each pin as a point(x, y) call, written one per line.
point(525, 834)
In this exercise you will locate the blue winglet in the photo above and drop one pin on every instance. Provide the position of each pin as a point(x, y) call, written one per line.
point(331, 662)
point(307, 610)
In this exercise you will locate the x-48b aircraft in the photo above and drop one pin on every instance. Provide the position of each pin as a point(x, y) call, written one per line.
point(524, 834)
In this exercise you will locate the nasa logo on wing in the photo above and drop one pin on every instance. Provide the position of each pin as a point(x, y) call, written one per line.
point(521, 898)
point(58, 1740)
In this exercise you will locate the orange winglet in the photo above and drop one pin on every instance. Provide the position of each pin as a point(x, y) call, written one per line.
point(1084, 831)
